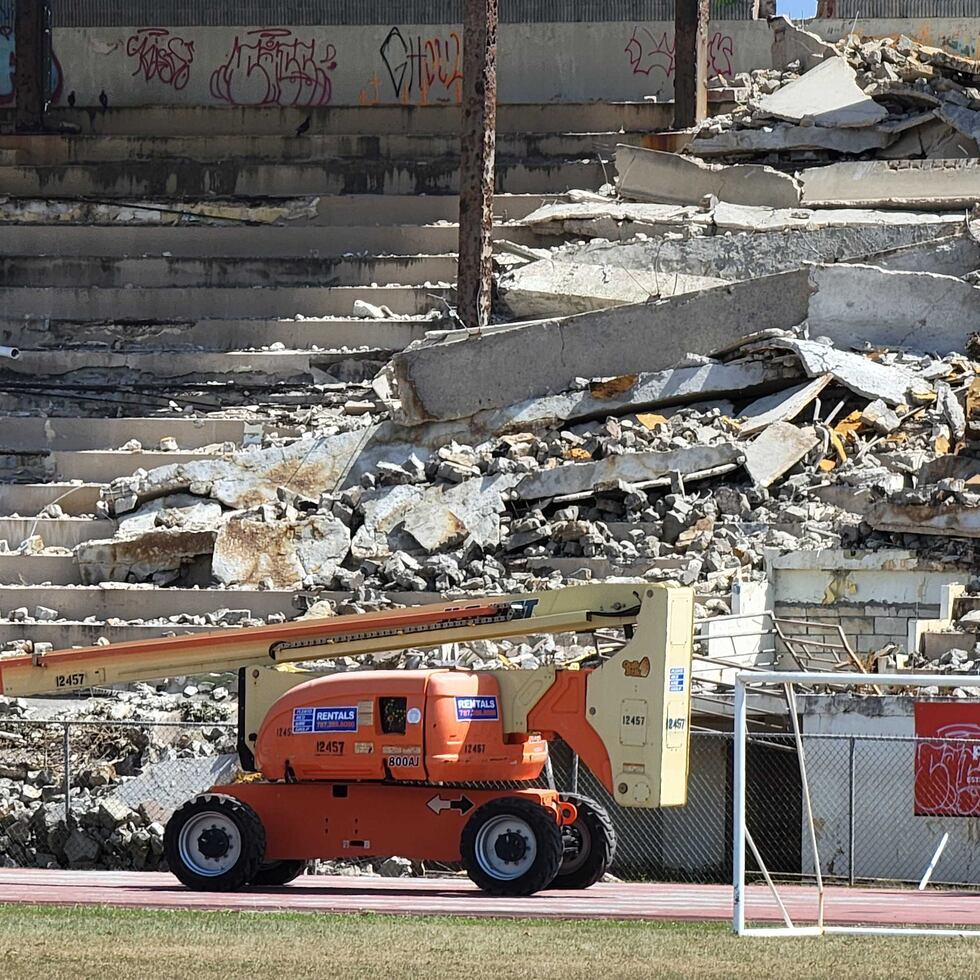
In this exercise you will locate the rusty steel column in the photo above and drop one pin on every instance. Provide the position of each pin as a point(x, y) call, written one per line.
point(690, 62)
point(30, 60)
point(478, 140)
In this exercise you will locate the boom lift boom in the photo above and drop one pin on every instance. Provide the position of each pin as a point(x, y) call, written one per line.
point(399, 762)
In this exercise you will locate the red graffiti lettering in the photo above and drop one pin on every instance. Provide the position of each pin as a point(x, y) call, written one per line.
point(273, 67)
point(162, 55)
point(423, 69)
point(649, 53)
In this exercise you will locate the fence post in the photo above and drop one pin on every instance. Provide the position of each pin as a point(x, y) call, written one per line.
point(851, 793)
point(66, 749)
point(574, 787)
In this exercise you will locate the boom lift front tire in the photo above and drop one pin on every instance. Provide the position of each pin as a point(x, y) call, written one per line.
point(214, 843)
point(590, 845)
point(278, 873)
point(511, 846)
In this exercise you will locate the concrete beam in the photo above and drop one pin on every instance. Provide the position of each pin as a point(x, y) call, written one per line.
point(937, 185)
point(651, 175)
point(457, 378)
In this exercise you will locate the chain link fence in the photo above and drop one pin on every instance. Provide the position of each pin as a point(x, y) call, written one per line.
point(97, 794)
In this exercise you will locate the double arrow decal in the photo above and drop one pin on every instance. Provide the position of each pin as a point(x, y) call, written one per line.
point(438, 805)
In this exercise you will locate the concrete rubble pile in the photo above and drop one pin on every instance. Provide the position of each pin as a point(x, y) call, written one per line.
point(124, 781)
point(886, 98)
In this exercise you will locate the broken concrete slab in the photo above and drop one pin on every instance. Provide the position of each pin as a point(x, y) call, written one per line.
point(748, 142)
point(792, 44)
point(891, 383)
point(412, 517)
point(939, 185)
point(633, 468)
point(918, 310)
point(827, 95)
point(563, 288)
point(962, 119)
point(746, 256)
point(947, 518)
point(652, 175)
point(783, 406)
point(775, 452)
point(740, 217)
point(952, 255)
point(284, 553)
point(677, 386)
point(159, 552)
point(457, 378)
point(612, 219)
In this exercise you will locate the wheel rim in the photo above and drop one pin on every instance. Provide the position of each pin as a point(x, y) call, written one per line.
point(210, 844)
point(583, 836)
point(506, 847)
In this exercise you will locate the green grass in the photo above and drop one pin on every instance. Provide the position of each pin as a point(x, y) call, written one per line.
point(118, 944)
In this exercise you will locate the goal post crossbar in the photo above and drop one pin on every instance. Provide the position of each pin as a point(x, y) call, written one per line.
point(741, 835)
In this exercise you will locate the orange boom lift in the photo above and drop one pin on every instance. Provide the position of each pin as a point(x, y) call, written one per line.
point(402, 761)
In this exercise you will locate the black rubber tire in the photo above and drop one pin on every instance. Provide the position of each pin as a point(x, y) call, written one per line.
point(250, 830)
point(278, 873)
point(595, 830)
point(547, 837)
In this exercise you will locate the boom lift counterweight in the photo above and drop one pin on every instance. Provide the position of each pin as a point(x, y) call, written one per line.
point(398, 762)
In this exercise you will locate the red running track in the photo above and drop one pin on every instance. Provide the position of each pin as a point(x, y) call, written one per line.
point(457, 896)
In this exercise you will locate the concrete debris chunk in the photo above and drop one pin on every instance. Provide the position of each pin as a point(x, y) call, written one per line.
point(777, 450)
point(827, 95)
point(880, 417)
point(781, 407)
point(287, 553)
point(891, 383)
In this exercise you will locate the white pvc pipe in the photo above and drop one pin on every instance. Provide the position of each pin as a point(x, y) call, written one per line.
point(841, 677)
point(738, 806)
point(934, 862)
point(10, 352)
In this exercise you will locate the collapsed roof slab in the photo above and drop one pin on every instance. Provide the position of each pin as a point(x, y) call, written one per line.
point(652, 175)
point(935, 185)
point(457, 378)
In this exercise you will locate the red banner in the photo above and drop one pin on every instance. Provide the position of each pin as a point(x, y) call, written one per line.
point(947, 770)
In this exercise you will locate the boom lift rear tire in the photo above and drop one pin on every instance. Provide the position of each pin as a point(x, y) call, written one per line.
point(214, 843)
point(593, 833)
point(278, 873)
point(511, 846)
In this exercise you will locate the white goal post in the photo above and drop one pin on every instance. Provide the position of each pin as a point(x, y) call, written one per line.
point(817, 922)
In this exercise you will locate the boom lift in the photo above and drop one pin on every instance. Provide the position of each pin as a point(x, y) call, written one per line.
point(434, 765)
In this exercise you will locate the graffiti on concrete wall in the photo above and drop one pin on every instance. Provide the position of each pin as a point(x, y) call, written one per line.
point(162, 56)
point(650, 53)
point(273, 66)
point(420, 70)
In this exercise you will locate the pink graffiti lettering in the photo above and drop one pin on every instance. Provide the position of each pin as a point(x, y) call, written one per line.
point(160, 54)
point(948, 773)
point(273, 67)
point(424, 69)
point(649, 53)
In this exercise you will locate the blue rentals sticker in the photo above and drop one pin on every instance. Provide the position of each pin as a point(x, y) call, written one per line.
point(479, 707)
point(676, 680)
point(307, 720)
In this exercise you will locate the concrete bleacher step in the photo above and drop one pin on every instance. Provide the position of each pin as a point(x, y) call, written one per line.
point(190, 179)
point(32, 333)
point(103, 272)
point(246, 241)
point(204, 302)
